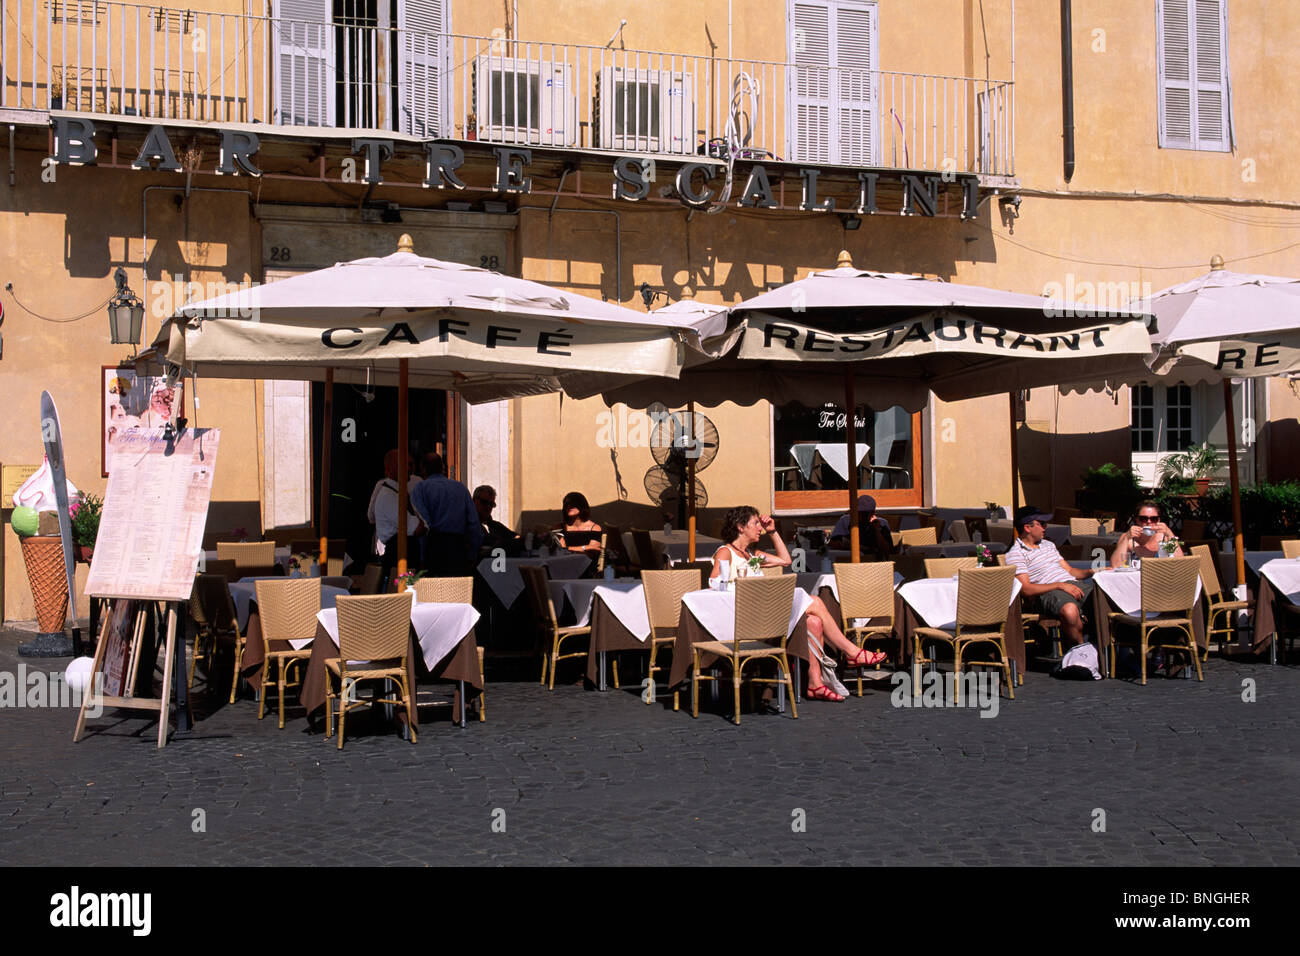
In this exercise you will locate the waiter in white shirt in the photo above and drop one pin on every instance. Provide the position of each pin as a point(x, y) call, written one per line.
point(382, 513)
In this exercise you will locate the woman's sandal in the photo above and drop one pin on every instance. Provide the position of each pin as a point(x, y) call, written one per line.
point(822, 692)
point(865, 658)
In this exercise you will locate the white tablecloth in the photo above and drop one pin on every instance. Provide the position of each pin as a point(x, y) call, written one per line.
point(438, 627)
point(578, 593)
point(935, 600)
point(1284, 575)
point(675, 545)
point(1124, 587)
point(1255, 560)
point(503, 577)
point(716, 611)
point(245, 592)
point(814, 581)
point(835, 454)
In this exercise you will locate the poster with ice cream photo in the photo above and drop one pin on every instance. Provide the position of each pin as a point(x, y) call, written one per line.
point(135, 401)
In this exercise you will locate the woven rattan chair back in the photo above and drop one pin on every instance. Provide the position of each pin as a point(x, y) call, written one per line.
point(919, 536)
point(1209, 573)
point(288, 608)
point(602, 553)
point(983, 596)
point(226, 567)
point(763, 607)
point(703, 568)
point(1169, 584)
point(260, 554)
point(663, 594)
point(1291, 548)
point(211, 595)
point(1084, 526)
point(772, 571)
point(947, 567)
point(537, 584)
point(374, 627)
point(445, 590)
point(866, 590)
point(372, 579)
point(645, 551)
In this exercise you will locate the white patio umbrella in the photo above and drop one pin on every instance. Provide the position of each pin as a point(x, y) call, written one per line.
point(406, 319)
point(1214, 328)
point(889, 339)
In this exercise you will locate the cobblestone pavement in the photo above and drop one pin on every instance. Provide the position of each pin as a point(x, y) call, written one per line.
point(1186, 774)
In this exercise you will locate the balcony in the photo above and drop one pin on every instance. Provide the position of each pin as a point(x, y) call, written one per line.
point(116, 58)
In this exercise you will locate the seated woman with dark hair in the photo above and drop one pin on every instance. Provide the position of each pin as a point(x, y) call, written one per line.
point(741, 529)
point(1144, 538)
point(577, 531)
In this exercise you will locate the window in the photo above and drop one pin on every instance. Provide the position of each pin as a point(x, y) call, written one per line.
point(833, 49)
point(1161, 418)
point(810, 455)
point(1192, 74)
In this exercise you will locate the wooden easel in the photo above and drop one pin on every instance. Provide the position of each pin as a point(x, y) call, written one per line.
point(161, 705)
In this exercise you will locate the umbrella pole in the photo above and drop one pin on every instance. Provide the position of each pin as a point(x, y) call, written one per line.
point(1015, 456)
point(327, 440)
point(1237, 537)
point(855, 534)
point(403, 450)
point(690, 481)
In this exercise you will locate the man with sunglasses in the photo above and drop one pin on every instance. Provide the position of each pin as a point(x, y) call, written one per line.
point(495, 534)
point(1144, 538)
point(1047, 579)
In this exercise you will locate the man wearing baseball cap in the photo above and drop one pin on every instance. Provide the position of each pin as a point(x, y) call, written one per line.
point(874, 538)
point(1057, 589)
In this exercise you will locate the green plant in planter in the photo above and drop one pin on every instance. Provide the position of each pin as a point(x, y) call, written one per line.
point(1199, 462)
point(85, 513)
point(1266, 508)
point(1109, 487)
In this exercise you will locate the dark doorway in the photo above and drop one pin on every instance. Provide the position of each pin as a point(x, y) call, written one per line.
point(364, 431)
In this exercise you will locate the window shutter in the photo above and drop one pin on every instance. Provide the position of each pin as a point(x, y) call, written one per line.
point(855, 55)
point(304, 63)
point(1174, 64)
point(1211, 88)
point(421, 74)
point(810, 48)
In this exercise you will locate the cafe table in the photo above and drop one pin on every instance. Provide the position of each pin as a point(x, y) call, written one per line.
point(504, 580)
point(674, 546)
point(441, 634)
point(244, 595)
point(1120, 589)
point(932, 602)
point(1278, 596)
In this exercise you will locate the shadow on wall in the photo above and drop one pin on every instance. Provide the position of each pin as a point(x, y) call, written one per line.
point(225, 516)
point(625, 515)
point(1051, 463)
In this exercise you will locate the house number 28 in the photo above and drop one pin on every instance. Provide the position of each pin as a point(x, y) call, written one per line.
point(280, 254)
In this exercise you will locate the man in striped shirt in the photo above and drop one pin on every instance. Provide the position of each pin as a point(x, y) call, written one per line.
point(1057, 589)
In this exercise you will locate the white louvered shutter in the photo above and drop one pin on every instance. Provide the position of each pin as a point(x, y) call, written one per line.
point(304, 63)
point(810, 52)
point(1211, 77)
point(1192, 70)
point(855, 57)
point(421, 74)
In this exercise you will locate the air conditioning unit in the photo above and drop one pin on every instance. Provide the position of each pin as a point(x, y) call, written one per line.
point(525, 101)
point(646, 111)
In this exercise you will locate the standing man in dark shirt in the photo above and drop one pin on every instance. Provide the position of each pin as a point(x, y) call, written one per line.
point(455, 533)
point(495, 534)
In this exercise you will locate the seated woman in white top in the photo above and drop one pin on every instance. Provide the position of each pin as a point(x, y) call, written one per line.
point(741, 529)
point(1144, 538)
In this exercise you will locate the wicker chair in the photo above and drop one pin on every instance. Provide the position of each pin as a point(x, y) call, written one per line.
point(763, 608)
point(548, 624)
point(1168, 588)
point(1084, 526)
point(663, 603)
point(288, 612)
point(1291, 548)
point(1063, 515)
point(227, 569)
point(260, 554)
point(645, 551)
point(932, 521)
point(453, 591)
point(866, 591)
point(703, 568)
point(1050, 626)
point(918, 536)
point(374, 644)
point(214, 617)
point(947, 567)
point(772, 571)
point(983, 595)
point(1214, 600)
point(372, 580)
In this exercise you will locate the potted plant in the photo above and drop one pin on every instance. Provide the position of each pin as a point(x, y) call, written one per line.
point(56, 88)
point(300, 565)
point(85, 513)
point(993, 509)
point(984, 556)
point(1109, 487)
point(406, 582)
point(1194, 465)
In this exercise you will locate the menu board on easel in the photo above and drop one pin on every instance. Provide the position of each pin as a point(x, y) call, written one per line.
point(155, 510)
